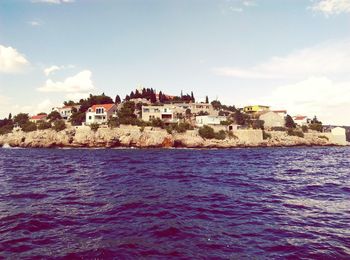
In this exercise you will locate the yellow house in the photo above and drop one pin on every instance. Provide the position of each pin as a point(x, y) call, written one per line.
point(255, 109)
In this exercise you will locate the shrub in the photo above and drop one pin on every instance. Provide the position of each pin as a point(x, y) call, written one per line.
point(206, 132)
point(316, 126)
point(59, 125)
point(142, 128)
point(231, 135)
point(278, 128)
point(94, 127)
point(304, 128)
point(44, 125)
point(157, 122)
point(183, 127)
point(221, 135)
point(6, 129)
point(169, 129)
point(29, 127)
point(293, 132)
point(266, 135)
point(113, 122)
point(324, 137)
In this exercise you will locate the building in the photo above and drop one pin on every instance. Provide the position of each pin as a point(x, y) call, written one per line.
point(339, 135)
point(255, 109)
point(195, 108)
point(66, 111)
point(37, 118)
point(282, 113)
point(272, 119)
point(165, 113)
point(209, 120)
point(100, 114)
point(301, 120)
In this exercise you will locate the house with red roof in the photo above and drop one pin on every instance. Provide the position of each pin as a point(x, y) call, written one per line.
point(37, 118)
point(301, 120)
point(66, 111)
point(99, 114)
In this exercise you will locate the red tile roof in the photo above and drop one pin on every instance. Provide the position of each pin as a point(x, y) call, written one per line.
point(299, 117)
point(38, 117)
point(107, 107)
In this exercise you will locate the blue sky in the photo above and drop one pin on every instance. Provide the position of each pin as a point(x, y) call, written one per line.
point(290, 54)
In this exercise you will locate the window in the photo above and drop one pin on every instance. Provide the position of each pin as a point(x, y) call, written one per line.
point(89, 117)
point(146, 110)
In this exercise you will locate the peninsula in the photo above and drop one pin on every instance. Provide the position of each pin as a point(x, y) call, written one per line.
point(147, 119)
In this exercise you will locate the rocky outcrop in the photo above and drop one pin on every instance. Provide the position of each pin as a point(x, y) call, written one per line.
point(151, 137)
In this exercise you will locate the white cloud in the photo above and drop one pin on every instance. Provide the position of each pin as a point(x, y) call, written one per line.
point(77, 96)
point(32, 109)
point(332, 58)
point(53, 1)
point(320, 96)
point(331, 7)
point(80, 83)
point(53, 68)
point(11, 60)
point(34, 23)
point(238, 6)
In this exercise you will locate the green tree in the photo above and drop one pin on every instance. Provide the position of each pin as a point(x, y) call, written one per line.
point(44, 125)
point(289, 122)
point(206, 99)
point(53, 116)
point(77, 118)
point(239, 118)
point(21, 119)
point(29, 127)
point(113, 122)
point(126, 114)
point(59, 125)
point(216, 104)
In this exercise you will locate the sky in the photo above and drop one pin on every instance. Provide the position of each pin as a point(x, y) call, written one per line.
point(289, 54)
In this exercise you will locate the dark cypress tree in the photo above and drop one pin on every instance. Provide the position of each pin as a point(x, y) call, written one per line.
point(10, 116)
point(207, 100)
point(160, 97)
point(153, 98)
point(192, 97)
point(289, 122)
point(117, 100)
point(127, 98)
point(132, 95)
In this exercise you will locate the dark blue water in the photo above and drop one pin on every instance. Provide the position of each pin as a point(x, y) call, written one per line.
point(241, 203)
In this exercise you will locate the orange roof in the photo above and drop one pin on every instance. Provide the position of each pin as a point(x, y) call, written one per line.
point(299, 117)
point(107, 107)
point(38, 117)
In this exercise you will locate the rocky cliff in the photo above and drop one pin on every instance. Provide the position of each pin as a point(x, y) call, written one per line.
point(133, 136)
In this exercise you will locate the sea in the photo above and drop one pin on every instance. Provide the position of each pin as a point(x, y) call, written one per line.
point(252, 203)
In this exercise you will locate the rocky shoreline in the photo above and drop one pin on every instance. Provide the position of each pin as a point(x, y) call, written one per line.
point(151, 137)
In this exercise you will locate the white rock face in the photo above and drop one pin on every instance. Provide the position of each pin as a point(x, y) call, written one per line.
point(133, 136)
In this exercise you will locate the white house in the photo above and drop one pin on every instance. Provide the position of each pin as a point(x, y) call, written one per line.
point(66, 111)
point(166, 113)
point(209, 120)
point(99, 114)
point(301, 120)
point(339, 135)
point(272, 119)
point(38, 118)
